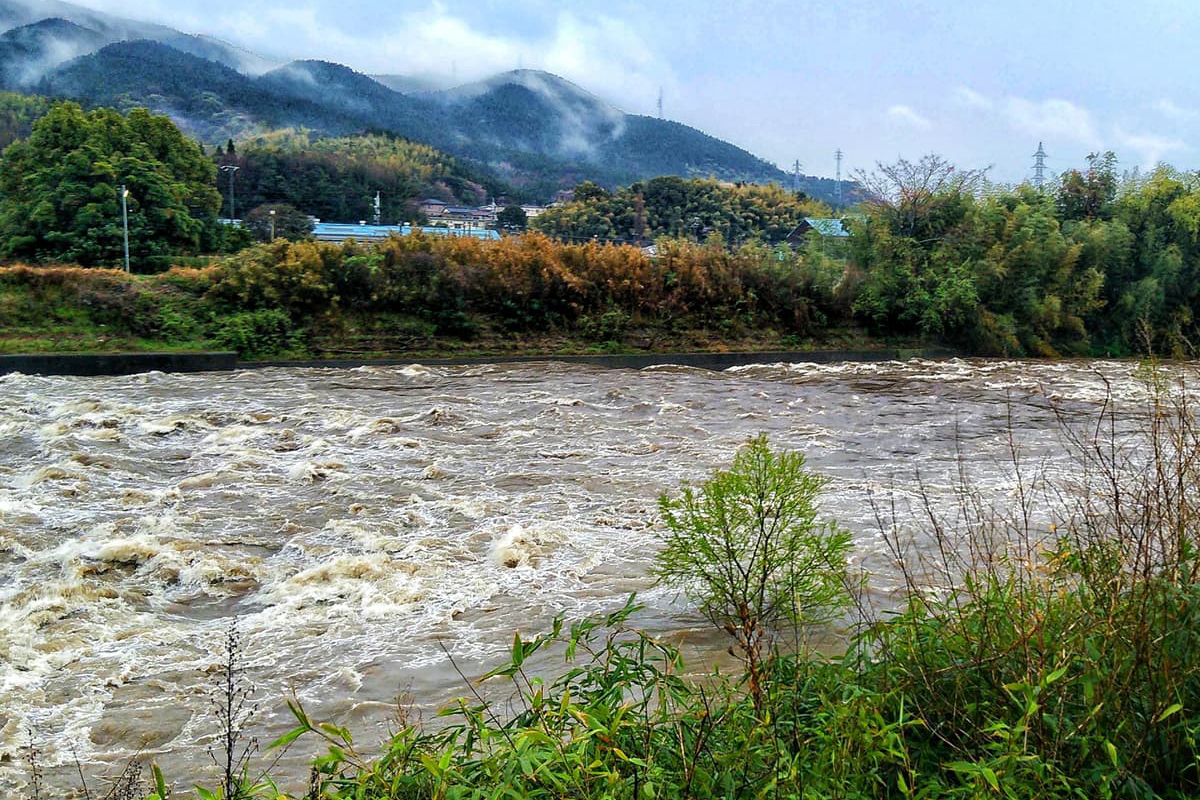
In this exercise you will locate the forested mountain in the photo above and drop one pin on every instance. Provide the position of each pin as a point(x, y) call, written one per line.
point(422, 82)
point(344, 91)
point(27, 52)
point(534, 130)
point(208, 100)
point(532, 111)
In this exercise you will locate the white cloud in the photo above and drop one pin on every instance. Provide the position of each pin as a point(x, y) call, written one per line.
point(908, 116)
point(1169, 109)
point(610, 57)
point(1151, 148)
point(970, 97)
point(1053, 119)
point(606, 55)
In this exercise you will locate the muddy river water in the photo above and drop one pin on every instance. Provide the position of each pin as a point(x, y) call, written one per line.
point(357, 521)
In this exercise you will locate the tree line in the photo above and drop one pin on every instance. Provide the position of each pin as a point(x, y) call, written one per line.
point(1092, 264)
point(680, 207)
point(62, 189)
point(1096, 263)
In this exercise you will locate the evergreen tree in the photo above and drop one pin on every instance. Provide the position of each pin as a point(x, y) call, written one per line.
point(512, 218)
point(60, 189)
point(286, 223)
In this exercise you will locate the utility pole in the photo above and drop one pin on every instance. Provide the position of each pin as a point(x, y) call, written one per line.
point(272, 215)
point(796, 175)
point(639, 220)
point(660, 111)
point(837, 187)
point(125, 222)
point(230, 168)
point(1039, 167)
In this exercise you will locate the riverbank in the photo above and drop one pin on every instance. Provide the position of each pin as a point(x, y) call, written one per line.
point(65, 320)
point(79, 321)
point(133, 363)
point(425, 300)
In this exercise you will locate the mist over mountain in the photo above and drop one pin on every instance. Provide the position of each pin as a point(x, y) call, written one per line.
point(205, 98)
point(102, 29)
point(29, 52)
point(532, 129)
point(533, 111)
point(421, 82)
point(356, 96)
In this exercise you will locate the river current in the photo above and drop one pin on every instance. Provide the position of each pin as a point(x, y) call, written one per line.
point(359, 522)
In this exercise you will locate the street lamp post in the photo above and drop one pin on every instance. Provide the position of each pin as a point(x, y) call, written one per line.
point(125, 222)
point(230, 168)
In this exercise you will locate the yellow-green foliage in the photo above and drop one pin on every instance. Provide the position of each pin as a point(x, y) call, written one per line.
point(384, 154)
point(528, 282)
point(18, 112)
point(677, 207)
point(336, 178)
point(293, 276)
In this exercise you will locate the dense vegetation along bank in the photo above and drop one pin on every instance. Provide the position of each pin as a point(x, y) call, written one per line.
point(1092, 265)
point(430, 296)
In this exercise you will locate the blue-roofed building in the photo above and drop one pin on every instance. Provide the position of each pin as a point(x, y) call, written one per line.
point(827, 230)
point(825, 227)
point(342, 231)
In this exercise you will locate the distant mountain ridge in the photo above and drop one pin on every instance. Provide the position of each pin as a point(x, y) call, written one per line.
point(107, 29)
point(533, 129)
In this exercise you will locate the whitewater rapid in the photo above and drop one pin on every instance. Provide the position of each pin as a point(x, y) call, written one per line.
point(360, 523)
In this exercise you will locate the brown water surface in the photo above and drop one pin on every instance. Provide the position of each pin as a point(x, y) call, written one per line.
point(358, 520)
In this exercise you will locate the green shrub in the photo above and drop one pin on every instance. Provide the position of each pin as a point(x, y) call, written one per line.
point(748, 549)
point(259, 333)
point(608, 326)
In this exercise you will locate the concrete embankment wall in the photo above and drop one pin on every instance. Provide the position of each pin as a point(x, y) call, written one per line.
point(115, 363)
point(131, 363)
point(714, 361)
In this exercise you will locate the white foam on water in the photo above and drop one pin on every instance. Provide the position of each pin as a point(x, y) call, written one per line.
point(519, 547)
point(353, 518)
point(313, 471)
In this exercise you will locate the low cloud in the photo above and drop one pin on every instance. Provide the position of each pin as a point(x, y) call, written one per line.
point(606, 54)
point(1168, 108)
point(1056, 119)
point(908, 116)
point(969, 97)
point(1151, 148)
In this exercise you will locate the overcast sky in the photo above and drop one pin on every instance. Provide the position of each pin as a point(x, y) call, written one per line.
point(978, 82)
